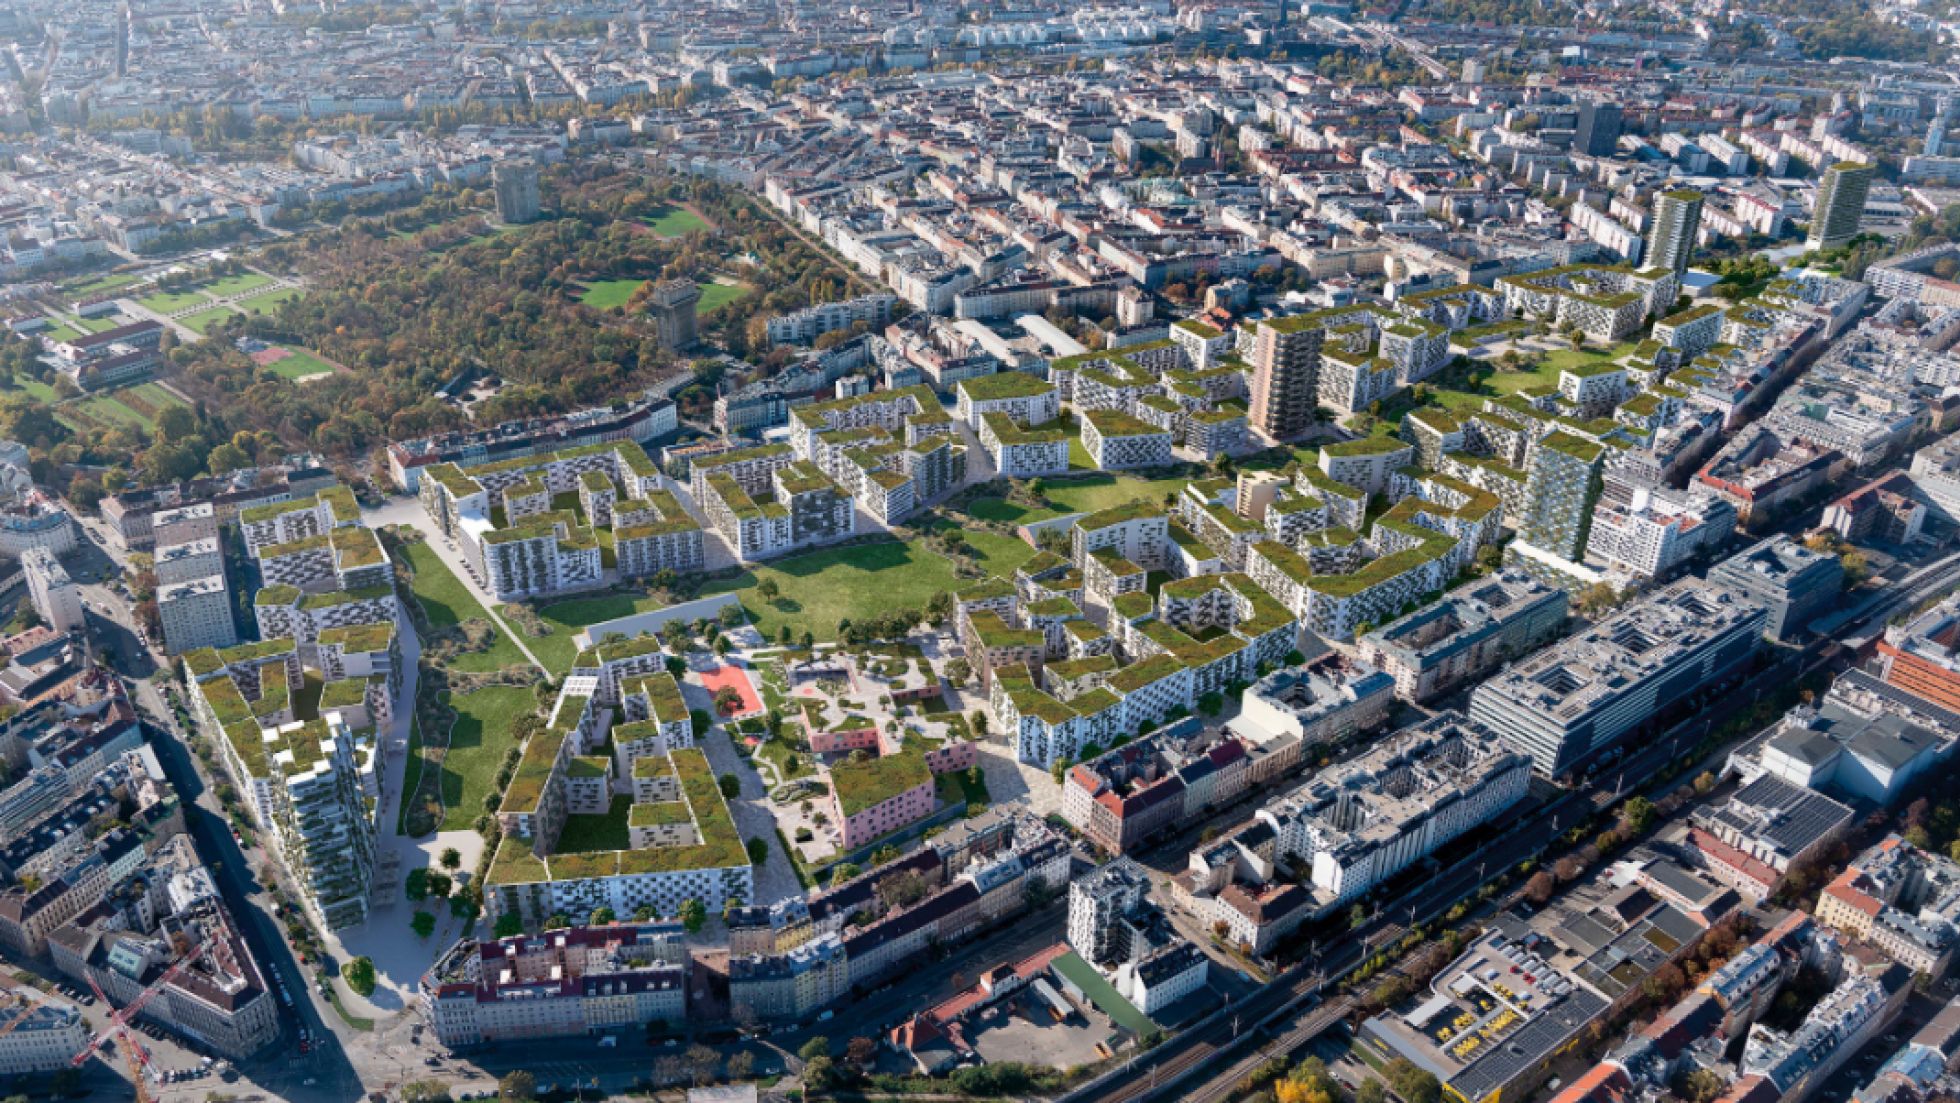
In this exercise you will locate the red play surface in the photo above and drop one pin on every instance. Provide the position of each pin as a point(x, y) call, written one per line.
point(736, 678)
point(269, 356)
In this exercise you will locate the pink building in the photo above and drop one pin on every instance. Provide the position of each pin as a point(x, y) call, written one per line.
point(953, 757)
point(859, 823)
point(845, 738)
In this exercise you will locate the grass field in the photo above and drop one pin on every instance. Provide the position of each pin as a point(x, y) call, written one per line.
point(717, 294)
point(203, 320)
point(584, 834)
point(605, 294)
point(1077, 496)
point(99, 286)
point(268, 301)
point(236, 285)
point(476, 748)
point(557, 650)
point(300, 365)
point(166, 302)
point(136, 406)
point(674, 221)
point(447, 602)
point(37, 389)
point(59, 330)
point(823, 587)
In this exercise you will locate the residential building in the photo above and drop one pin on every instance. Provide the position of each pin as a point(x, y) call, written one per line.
point(1561, 486)
point(55, 596)
point(1676, 228)
point(1901, 899)
point(569, 982)
point(47, 1034)
point(1841, 194)
point(196, 614)
point(1473, 630)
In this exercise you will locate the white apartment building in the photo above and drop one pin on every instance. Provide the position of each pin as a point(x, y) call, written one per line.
point(196, 614)
point(55, 596)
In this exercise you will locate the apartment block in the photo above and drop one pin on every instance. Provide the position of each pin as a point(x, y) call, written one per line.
point(1473, 630)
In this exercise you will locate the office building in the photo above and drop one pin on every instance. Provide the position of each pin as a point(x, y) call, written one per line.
point(1671, 240)
point(1793, 584)
point(516, 186)
point(55, 596)
point(1573, 702)
point(196, 614)
point(1840, 204)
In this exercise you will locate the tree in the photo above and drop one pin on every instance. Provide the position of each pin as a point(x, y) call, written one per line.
point(517, 1086)
point(817, 1046)
point(741, 1066)
point(425, 1091)
point(1413, 1084)
point(1701, 1086)
point(1637, 815)
point(1539, 889)
point(844, 871)
point(645, 913)
point(602, 916)
point(417, 884)
point(818, 1073)
point(359, 975)
point(423, 924)
point(452, 859)
point(727, 700)
point(509, 925)
point(1370, 1091)
point(704, 1063)
point(860, 1051)
point(731, 786)
point(758, 850)
point(694, 915)
point(439, 885)
point(768, 590)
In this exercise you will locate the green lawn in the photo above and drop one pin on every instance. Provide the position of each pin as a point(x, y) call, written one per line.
point(1084, 495)
point(166, 302)
point(447, 601)
point(37, 389)
point(237, 285)
point(60, 331)
point(203, 320)
point(674, 221)
point(98, 286)
point(476, 748)
point(135, 406)
point(267, 302)
point(823, 587)
point(818, 589)
point(605, 294)
point(566, 618)
point(584, 834)
point(300, 365)
point(717, 294)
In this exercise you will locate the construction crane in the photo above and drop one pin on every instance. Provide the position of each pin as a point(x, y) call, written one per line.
point(133, 1051)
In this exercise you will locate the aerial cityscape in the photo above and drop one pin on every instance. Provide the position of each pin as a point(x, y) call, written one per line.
point(1131, 551)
